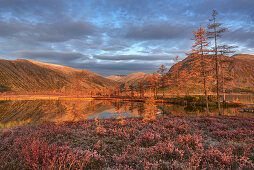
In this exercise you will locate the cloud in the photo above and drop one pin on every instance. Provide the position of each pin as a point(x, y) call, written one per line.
point(44, 32)
point(36, 8)
point(62, 31)
point(61, 57)
point(158, 31)
point(11, 28)
point(133, 57)
point(107, 69)
point(225, 8)
point(241, 36)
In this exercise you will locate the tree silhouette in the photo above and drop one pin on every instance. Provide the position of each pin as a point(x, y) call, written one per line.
point(224, 50)
point(215, 32)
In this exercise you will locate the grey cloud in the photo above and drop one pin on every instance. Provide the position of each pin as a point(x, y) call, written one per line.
point(112, 68)
point(90, 44)
point(115, 48)
point(36, 8)
point(107, 69)
point(241, 36)
point(133, 57)
point(56, 32)
point(169, 51)
point(229, 7)
point(63, 31)
point(158, 31)
point(11, 28)
point(51, 56)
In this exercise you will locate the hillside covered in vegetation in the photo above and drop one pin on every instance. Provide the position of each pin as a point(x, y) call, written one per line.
point(28, 75)
point(237, 74)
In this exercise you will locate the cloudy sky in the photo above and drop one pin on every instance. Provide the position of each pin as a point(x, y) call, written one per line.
point(116, 36)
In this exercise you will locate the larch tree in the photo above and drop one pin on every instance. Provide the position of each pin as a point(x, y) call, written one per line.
point(224, 50)
point(215, 32)
point(199, 49)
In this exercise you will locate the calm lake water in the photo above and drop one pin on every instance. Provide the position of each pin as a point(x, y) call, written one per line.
point(74, 110)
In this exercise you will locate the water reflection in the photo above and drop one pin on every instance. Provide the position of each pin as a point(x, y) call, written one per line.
point(74, 110)
point(242, 98)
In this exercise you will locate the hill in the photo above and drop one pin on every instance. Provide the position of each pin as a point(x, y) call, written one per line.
point(28, 75)
point(238, 73)
point(131, 79)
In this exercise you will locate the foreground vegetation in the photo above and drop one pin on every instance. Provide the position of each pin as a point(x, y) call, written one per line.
point(177, 142)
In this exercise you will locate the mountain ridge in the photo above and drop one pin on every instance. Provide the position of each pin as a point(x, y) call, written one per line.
point(29, 75)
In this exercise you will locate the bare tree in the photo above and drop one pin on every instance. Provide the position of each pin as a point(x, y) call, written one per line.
point(224, 50)
point(215, 32)
point(199, 49)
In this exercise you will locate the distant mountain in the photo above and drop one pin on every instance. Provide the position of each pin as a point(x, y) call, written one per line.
point(238, 73)
point(116, 78)
point(131, 79)
point(28, 75)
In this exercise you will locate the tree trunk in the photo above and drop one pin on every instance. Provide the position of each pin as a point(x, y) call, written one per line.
point(206, 97)
point(223, 90)
point(204, 75)
point(217, 70)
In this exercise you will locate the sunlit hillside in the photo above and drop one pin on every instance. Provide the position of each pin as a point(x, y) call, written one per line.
point(237, 74)
point(28, 75)
point(131, 79)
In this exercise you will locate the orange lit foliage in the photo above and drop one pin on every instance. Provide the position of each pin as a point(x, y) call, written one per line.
point(199, 50)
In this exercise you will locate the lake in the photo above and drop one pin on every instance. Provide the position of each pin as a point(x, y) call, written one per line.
point(73, 110)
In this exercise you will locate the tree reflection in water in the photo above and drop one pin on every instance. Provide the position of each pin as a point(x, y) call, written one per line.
point(74, 110)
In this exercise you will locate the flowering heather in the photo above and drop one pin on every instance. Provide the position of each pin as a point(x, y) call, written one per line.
point(171, 142)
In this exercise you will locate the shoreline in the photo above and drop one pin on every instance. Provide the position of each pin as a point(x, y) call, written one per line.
point(180, 99)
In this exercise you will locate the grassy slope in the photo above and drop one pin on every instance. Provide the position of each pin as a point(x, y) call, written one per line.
point(23, 75)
